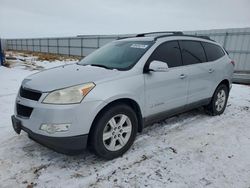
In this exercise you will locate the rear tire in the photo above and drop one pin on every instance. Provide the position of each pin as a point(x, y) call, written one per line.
point(218, 102)
point(114, 131)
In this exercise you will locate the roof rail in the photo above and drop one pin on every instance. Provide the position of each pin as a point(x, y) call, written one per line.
point(185, 35)
point(159, 32)
point(200, 36)
point(204, 37)
point(166, 34)
point(120, 38)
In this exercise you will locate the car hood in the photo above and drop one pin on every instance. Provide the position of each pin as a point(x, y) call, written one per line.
point(65, 76)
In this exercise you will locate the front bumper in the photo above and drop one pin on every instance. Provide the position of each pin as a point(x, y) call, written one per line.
point(67, 145)
point(79, 116)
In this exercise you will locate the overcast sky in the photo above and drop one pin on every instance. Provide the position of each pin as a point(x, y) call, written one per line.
point(49, 18)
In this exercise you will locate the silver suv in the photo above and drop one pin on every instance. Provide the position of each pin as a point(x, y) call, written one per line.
point(102, 101)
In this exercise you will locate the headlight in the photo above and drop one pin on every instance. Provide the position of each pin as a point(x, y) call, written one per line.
point(69, 95)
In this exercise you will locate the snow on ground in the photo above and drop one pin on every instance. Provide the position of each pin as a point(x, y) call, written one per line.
point(188, 150)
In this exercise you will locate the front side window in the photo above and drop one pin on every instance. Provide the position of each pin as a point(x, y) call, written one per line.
point(168, 52)
point(213, 51)
point(121, 55)
point(192, 52)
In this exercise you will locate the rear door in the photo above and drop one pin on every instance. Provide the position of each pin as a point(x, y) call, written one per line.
point(165, 91)
point(215, 67)
point(199, 78)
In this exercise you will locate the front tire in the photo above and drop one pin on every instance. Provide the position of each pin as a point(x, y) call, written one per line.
point(219, 101)
point(114, 131)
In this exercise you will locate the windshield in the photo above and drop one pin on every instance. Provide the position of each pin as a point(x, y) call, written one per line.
point(121, 55)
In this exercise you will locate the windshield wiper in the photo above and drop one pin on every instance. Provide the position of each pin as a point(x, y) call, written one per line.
point(103, 66)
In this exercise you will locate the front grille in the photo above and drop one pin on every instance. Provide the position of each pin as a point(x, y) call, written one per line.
point(30, 94)
point(23, 111)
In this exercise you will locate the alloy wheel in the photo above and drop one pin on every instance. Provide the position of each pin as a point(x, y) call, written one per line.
point(221, 100)
point(117, 132)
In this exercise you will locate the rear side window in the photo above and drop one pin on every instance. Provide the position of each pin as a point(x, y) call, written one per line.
point(168, 52)
point(213, 51)
point(192, 52)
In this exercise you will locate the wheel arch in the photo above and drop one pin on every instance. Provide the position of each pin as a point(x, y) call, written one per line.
point(128, 101)
point(210, 107)
point(225, 82)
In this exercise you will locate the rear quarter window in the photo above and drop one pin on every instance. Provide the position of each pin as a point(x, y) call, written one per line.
point(213, 51)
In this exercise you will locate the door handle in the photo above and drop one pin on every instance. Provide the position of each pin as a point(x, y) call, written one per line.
point(211, 70)
point(182, 76)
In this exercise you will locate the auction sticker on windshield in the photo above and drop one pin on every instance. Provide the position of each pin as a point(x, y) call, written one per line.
point(142, 46)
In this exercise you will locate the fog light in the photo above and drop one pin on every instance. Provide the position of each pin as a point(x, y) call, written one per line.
point(52, 128)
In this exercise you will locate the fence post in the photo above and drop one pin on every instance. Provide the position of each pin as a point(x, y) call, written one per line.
point(48, 44)
point(57, 46)
point(21, 44)
point(26, 44)
point(40, 48)
point(82, 47)
point(225, 40)
point(69, 46)
point(98, 42)
point(33, 47)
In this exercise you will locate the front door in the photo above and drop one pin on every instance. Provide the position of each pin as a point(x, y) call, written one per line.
point(166, 91)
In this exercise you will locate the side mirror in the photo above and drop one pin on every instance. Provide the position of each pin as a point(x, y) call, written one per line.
point(158, 66)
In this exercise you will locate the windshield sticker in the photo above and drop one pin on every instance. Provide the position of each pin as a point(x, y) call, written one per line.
point(141, 46)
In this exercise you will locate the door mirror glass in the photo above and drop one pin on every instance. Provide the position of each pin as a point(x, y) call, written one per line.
point(158, 66)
